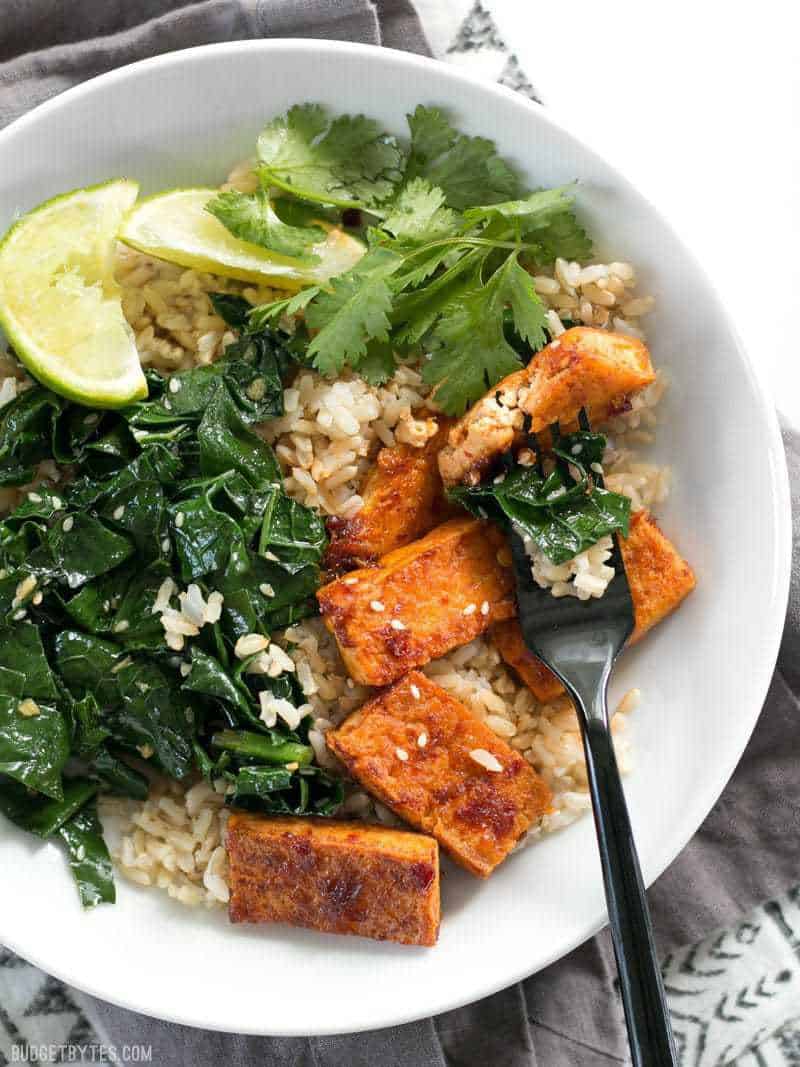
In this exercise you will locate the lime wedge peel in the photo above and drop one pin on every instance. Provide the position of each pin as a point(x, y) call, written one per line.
point(60, 306)
point(175, 226)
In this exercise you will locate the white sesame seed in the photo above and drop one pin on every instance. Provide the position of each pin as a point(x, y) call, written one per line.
point(165, 545)
point(422, 740)
point(266, 589)
point(185, 669)
point(67, 524)
point(18, 616)
point(28, 708)
point(485, 607)
point(630, 701)
point(24, 589)
point(38, 597)
point(58, 503)
point(576, 449)
point(597, 468)
point(401, 754)
point(486, 760)
point(249, 645)
point(396, 624)
point(293, 766)
point(376, 605)
point(470, 609)
point(214, 607)
point(272, 556)
point(118, 512)
point(415, 692)
point(34, 498)
point(179, 519)
point(350, 581)
point(174, 385)
point(121, 626)
point(167, 403)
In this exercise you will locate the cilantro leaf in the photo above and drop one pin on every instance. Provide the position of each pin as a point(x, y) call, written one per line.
point(378, 365)
point(349, 162)
point(471, 352)
point(527, 310)
point(354, 312)
point(265, 314)
point(467, 169)
point(250, 217)
point(545, 217)
point(419, 216)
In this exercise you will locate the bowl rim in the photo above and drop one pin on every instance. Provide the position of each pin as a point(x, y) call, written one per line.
point(780, 520)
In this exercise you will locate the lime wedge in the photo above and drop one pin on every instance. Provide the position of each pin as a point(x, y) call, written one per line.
point(176, 226)
point(59, 304)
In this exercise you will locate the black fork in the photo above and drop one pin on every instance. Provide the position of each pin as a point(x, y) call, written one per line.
point(579, 640)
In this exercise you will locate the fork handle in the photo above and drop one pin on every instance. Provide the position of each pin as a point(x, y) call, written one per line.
point(646, 1012)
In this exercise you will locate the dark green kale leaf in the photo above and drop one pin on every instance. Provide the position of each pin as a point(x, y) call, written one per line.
point(88, 857)
point(21, 650)
point(42, 815)
point(561, 513)
point(227, 443)
point(34, 745)
point(26, 430)
point(151, 713)
point(118, 777)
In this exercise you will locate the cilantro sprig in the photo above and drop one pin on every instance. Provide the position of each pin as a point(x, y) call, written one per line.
point(452, 237)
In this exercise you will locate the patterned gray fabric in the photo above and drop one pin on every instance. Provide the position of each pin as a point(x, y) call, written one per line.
point(570, 1014)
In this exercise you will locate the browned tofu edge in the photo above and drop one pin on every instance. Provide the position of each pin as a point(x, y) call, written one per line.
point(334, 876)
point(488, 809)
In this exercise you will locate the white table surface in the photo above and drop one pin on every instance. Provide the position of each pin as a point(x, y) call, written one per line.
point(699, 104)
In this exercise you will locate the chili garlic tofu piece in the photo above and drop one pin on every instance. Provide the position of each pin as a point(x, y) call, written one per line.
point(421, 601)
point(403, 499)
point(508, 640)
point(583, 368)
point(429, 759)
point(659, 577)
point(334, 876)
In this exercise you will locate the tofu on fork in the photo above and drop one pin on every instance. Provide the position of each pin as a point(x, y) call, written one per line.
point(659, 579)
point(588, 368)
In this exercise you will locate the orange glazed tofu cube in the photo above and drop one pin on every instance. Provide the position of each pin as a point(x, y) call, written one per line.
point(333, 876)
point(583, 368)
point(507, 639)
point(425, 756)
point(403, 499)
point(659, 578)
point(421, 601)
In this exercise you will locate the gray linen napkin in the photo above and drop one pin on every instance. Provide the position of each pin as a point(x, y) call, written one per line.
point(569, 1014)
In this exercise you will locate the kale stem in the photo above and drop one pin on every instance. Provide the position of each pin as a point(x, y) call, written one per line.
point(245, 743)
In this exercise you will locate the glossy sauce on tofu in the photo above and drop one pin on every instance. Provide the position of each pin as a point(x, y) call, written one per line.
point(414, 746)
point(421, 600)
point(337, 877)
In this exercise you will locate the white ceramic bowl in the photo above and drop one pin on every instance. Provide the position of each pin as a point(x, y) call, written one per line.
point(182, 119)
